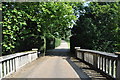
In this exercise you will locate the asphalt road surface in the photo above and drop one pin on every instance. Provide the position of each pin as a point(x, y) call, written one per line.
point(55, 66)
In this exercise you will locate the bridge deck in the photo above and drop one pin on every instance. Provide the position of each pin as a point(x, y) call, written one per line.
point(58, 64)
point(48, 66)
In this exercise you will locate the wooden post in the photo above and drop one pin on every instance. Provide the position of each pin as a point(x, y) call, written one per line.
point(4, 65)
point(35, 53)
point(11, 66)
point(0, 70)
point(83, 56)
point(95, 60)
point(8, 67)
point(16, 63)
point(118, 66)
point(76, 48)
point(29, 55)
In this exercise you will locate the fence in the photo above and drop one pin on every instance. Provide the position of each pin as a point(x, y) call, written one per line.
point(11, 63)
point(107, 63)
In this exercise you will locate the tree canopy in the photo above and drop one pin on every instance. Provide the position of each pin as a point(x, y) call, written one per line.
point(30, 24)
point(98, 27)
point(34, 20)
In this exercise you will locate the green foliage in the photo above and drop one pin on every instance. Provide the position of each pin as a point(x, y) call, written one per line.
point(98, 27)
point(27, 25)
point(57, 42)
point(52, 42)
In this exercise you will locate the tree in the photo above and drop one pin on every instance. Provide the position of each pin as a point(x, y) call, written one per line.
point(98, 27)
point(21, 22)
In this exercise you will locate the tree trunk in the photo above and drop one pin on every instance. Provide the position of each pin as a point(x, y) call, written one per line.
point(44, 38)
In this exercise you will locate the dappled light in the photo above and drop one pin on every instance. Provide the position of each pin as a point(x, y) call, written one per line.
point(68, 40)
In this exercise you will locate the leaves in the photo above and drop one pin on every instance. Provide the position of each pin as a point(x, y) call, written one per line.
point(98, 26)
point(24, 24)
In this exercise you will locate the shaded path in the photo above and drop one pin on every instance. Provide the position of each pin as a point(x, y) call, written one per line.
point(54, 65)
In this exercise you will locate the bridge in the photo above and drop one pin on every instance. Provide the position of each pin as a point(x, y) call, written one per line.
point(59, 63)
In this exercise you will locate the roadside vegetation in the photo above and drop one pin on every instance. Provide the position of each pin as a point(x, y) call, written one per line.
point(42, 25)
point(98, 27)
point(29, 25)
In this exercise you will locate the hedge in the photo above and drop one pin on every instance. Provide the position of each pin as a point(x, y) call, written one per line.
point(57, 42)
point(52, 43)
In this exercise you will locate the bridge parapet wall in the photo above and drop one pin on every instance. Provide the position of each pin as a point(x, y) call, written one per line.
point(11, 63)
point(106, 63)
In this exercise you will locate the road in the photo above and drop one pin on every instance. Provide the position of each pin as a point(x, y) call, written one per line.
point(54, 65)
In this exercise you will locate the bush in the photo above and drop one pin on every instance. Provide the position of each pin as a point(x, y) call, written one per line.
point(52, 42)
point(98, 28)
point(57, 42)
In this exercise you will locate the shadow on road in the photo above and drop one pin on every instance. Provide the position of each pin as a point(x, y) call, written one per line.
point(58, 52)
point(78, 70)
